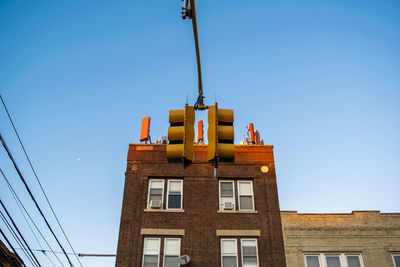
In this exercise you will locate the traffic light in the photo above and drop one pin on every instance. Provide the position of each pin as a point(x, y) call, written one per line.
point(220, 134)
point(181, 134)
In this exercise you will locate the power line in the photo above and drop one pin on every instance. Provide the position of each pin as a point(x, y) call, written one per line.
point(37, 179)
point(33, 198)
point(16, 228)
point(19, 203)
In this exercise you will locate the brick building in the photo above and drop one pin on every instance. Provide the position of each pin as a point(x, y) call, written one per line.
point(231, 219)
point(359, 239)
point(8, 258)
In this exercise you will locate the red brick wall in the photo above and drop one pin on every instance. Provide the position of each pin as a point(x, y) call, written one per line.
point(200, 203)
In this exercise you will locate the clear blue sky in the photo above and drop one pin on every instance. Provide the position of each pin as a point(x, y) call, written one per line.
point(319, 79)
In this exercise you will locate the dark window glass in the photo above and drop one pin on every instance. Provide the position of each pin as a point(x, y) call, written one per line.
point(174, 201)
point(229, 261)
point(171, 261)
point(312, 261)
point(333, 261)
point(246, 202)
point(227, 189)
point(353, 261)
point(397, 260)
point(150, 261)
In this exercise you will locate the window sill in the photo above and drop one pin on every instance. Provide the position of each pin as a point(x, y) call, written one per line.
point(162, 210)
point(237, 211)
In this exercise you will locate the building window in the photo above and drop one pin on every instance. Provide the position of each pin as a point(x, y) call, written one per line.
point(173, 199)
point(229, 253)
point(169, 256)
point(171, 252)
point(227, 195)
point(156, 194)
point(227, 199)
point(312, 261)
point(249, 253)
point(396, 259)
point(151, 252)
point(245, 195)
point(333, 260)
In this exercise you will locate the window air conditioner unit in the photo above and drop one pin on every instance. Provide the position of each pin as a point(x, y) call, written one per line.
point(228, 206)
point(155, 204)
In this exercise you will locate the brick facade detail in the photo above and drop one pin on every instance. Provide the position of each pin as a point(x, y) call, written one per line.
point(200, 218)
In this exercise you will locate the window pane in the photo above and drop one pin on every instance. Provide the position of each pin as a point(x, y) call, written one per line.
point(245, 188)
point(172, 246)
point(229, 261)
point(246, 202)
point(249, 251)
point(151, 246)
point(171, 261)
point(150, 261)
point(353, 261)
point(155, 197)
point(397, 260)
point(156, 191)
point(175, 186)
point(312, 261)
point(174, 202)
point(226, 189)
point(333, 261)
point(156, 184)
point(228, 246)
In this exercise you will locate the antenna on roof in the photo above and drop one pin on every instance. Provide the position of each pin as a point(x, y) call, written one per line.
point(145, 130)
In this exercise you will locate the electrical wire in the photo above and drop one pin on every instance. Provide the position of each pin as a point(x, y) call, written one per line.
point(37, 179)
point(17, 239)
point(33, 198)
point(19, 204)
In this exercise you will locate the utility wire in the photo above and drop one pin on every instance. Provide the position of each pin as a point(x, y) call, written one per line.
point(37, 179)
point(18, 239)
point(33, 198)
point(10, 245)
point(19, 204)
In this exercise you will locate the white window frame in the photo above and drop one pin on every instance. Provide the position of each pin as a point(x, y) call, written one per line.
point(144, 247)
point(395, 254)
point(220, 196)
point(342, 258)
point(162, 194)
point(165, 254)
point(236, 250)
point(252, 193)
point(241, 248)
point(175, 180)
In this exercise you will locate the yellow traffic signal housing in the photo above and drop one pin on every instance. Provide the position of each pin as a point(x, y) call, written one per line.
point(220, 134)
point(181, 134)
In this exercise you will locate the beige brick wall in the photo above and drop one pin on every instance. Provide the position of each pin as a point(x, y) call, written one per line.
point(373, 234)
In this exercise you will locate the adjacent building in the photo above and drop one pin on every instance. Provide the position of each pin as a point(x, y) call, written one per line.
point(227, 216)
point(8, 258)
point(359, 239)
